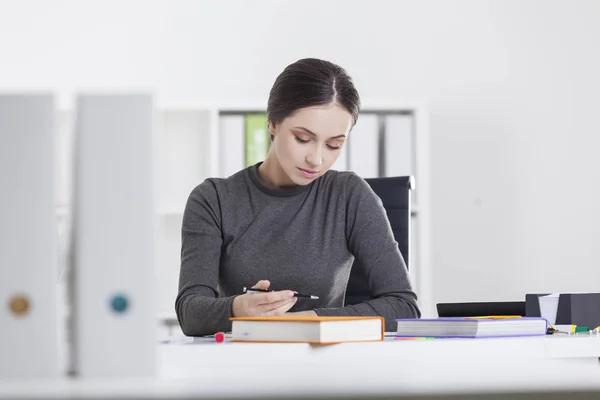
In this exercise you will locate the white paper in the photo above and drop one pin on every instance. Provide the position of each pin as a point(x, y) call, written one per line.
point(548, 307)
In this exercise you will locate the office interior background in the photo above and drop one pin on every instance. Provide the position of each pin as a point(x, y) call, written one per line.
point(510, 89)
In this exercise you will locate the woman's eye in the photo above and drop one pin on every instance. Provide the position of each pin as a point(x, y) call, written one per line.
point(335, 144)
point(301, 140)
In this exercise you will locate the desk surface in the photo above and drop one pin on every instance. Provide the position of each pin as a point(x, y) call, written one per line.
point(182, 356)
point(202, 368)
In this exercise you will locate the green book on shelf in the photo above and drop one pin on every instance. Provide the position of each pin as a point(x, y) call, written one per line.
point(258, 139)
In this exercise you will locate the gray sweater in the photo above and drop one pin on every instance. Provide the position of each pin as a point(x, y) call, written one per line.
point(237, 231)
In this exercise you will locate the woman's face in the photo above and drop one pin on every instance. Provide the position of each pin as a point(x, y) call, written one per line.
point(308, 142)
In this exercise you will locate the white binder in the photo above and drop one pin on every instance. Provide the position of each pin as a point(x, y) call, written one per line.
point(232, 144)
point(182, 138)
point(399, 145)
point(29, 326)
point(114, 319)
point(363, 143)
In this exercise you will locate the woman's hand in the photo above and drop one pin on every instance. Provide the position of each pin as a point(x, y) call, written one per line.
point(257, 304)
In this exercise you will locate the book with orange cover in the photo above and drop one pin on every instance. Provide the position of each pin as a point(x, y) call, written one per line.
point(314, 330)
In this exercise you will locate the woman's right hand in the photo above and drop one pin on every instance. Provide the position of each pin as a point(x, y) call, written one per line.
point(259, 304)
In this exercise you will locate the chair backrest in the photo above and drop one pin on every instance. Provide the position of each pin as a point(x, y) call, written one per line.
point(394, 193)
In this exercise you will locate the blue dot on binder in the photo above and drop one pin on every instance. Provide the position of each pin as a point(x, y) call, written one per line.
point(119, 303)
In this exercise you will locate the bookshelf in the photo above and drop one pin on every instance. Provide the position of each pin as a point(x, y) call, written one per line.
point(194, 141)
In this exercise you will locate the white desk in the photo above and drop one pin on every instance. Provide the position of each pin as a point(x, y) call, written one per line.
point(190, 355)
point(439, 368)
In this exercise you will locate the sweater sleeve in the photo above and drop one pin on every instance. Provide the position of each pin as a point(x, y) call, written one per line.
point(371, 241)
point(199, 309)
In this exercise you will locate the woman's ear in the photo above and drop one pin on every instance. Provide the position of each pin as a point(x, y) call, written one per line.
point(272, 128)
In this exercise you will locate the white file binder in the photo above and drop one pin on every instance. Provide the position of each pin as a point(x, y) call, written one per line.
point(29, 325)
point(231, 144)
point(113, 282)
point(399, 145)
point(182, 156)
point(363, 143)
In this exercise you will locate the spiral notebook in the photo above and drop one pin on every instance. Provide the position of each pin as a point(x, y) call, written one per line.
point(471, 327)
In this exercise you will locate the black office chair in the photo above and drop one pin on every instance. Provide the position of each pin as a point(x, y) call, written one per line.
point(394, 193)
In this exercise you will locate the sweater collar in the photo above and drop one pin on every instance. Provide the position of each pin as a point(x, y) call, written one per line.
point(272, 191)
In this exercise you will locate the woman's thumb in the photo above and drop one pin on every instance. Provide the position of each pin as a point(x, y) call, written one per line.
point(263, 284)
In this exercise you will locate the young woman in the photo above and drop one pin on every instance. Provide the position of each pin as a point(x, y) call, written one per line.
point(289, 223)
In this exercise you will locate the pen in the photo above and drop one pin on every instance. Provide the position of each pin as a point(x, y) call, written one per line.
point(304, 296)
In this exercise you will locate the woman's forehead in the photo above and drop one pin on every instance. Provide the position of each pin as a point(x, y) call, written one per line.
point(327, 120)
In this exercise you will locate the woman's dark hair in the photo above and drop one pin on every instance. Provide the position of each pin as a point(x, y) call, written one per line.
point(311, 82)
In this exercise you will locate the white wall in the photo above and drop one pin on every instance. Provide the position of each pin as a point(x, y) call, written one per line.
point(512, 89)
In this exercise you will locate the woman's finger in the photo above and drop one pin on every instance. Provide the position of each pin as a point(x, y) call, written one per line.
point(271, 297)
point(263, 284)
point(280, 310)
point(266, 308)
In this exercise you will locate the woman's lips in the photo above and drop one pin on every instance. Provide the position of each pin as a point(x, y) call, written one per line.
point(308, 173)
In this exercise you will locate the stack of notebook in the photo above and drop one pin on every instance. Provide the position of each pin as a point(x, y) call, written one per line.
point(471, 327)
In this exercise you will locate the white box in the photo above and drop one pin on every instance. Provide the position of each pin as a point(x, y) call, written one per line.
point(115, 329)
point(29, 327)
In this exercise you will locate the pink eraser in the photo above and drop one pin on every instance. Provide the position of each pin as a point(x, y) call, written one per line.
point(219, 337)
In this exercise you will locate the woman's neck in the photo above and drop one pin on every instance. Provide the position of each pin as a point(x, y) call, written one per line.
point(271, 173)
